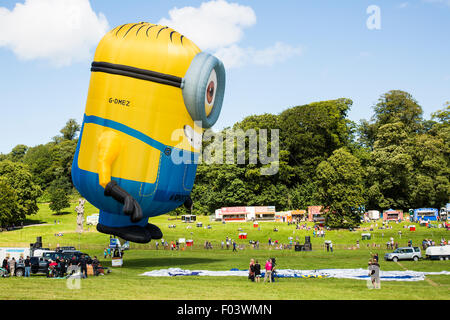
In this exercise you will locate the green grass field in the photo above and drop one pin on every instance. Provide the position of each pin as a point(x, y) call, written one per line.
point(126, 282)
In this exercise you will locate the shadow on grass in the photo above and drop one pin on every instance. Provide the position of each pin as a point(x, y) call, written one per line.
point(29, 222)
point(61, 213)
point(166, 262)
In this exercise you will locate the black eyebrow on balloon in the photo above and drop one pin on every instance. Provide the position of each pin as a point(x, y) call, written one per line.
point(120, 28)
point(139, 29)
point(146, 32)
point(171, 35)
point(142, 74)
point(160, 31)
point(134, 25)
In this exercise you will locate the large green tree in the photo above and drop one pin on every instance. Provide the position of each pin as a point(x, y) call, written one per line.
point(70, 130)
point(340, 182)
point(393, 107)
point(17, 176)
point(8, 205)
point(310, 133)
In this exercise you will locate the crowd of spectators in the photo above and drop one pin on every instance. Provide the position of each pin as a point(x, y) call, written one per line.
point(58, 268)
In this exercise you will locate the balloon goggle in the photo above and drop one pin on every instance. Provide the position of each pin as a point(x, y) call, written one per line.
point(202, 87)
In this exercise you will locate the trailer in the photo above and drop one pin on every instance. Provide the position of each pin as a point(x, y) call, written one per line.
point(438, 252)
point(444, 213)
point(374, 214)
point(92, 219)
point(15, 253)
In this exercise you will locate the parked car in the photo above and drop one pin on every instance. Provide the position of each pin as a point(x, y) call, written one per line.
point(405, 253)
point(66, 254)
point(67, 249)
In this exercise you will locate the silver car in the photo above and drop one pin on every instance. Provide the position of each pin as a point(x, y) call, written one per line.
point(405, 253)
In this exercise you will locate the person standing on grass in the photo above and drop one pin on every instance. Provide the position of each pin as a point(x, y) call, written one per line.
point(268, 268)
point(83, 264)
point(234, 246)
point(27, 264)
point(257, 269)
point(105, 253)
point(63, 262)
point(374, 273)
point(272, 274)
point(251, 270)
point(5, 264)
point(12, 266)
point(374, 257)
point(95, 264)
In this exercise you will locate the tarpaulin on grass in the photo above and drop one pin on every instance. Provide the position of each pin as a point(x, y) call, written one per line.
point(357, 274)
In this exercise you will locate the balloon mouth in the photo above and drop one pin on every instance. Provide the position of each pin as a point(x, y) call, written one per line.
point(194, 138)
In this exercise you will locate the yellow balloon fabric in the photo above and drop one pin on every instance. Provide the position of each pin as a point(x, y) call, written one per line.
point(136, 120)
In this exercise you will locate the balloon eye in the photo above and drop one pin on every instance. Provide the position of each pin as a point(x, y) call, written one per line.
point(210, 93)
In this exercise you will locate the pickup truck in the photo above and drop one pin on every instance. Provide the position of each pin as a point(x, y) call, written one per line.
point(38, 266)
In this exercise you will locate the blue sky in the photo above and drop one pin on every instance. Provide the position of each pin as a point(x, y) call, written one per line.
point(290, 52)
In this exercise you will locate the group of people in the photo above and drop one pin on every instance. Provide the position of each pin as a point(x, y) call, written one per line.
point(61, 267)
point(317, 232)
point(9, 265)
point(254, 271)
point(428, 243)
point(391, 244)
point(173, 245)
point(58, 268)
point(228, 243)
point(302, 227)
point(108, 252)
point(208, 245)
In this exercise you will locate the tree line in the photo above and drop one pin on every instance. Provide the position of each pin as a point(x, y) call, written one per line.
point(396, 159)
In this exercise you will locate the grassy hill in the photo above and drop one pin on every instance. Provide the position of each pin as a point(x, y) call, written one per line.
point(126, 282)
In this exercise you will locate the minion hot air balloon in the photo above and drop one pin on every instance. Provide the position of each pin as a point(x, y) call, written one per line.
point(150, 89)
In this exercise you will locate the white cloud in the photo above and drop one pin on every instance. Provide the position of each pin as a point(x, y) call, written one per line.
point(218, 26)
point(60, 31)
point(403, 5)
point(213, 25)
point(235, 56)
